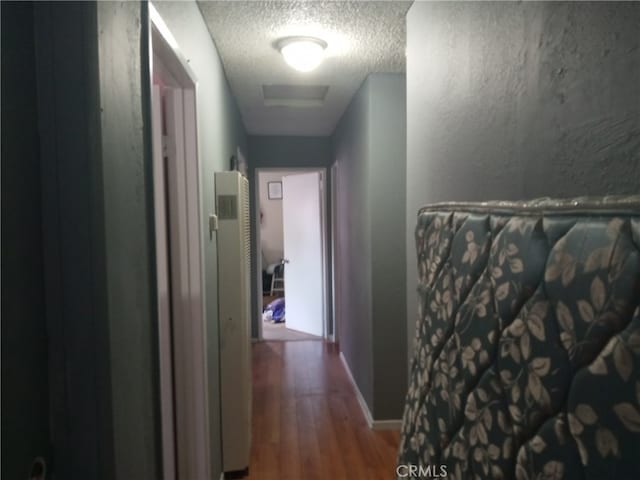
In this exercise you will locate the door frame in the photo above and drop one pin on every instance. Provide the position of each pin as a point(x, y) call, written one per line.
point(181, 311)
point(327, 307)
point(335, 285)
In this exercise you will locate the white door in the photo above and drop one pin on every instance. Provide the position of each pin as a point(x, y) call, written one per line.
point(303, 251)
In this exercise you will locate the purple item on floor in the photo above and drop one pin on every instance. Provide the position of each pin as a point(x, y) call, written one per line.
point(277, 309)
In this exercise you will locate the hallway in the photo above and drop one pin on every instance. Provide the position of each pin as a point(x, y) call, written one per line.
point(306, 419)
point(119, 359)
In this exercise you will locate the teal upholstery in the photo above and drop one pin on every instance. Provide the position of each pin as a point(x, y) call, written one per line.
point(526, 359)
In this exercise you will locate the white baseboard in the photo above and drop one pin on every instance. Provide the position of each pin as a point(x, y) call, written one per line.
point(387, 424)
point(331, 338)
point(363, 404)
point(373, 424)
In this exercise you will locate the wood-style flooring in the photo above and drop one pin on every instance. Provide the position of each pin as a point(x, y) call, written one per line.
point(307, 423)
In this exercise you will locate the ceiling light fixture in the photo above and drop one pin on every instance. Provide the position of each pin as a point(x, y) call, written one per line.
point(302, 53)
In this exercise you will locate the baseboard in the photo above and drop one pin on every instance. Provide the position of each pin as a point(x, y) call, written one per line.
point(387, 424)
point(331, 338)
point(373, 424)
point(363, 404)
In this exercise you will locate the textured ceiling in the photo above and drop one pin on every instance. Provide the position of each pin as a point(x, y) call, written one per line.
point(363, 37)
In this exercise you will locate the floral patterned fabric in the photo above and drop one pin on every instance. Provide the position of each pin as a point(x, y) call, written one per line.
point(526, 360)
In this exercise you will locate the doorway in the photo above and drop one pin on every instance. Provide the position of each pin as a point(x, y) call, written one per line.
point(179, 259)
point(291, 238)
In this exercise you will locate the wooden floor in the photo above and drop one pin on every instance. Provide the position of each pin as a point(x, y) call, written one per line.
point(307, 423)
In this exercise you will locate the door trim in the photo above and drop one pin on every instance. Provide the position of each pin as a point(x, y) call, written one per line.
point(181, 312)
point(333, 206)
point(327, 307)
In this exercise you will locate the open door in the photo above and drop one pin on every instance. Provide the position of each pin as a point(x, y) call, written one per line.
point(303, 252)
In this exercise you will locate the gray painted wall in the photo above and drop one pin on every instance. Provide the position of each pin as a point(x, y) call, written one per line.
point(122, 183)
point(220, 133)
point(285, 152)
point(519, 100)
point(25, 389)
point(288, 152)
point(370, 151)
point(93, 89)
point(387, 186)
point(98, 249)
point(352, 143)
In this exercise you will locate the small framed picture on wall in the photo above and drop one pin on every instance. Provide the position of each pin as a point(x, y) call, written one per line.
point(274, 190)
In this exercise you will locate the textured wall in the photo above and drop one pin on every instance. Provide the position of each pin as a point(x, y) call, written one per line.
point(220, 133)
point(370, 151)
point(25, 392)
point(123, 186)
point(519, 100)
point(387, 184)
point(353, 241)
point(98, 249)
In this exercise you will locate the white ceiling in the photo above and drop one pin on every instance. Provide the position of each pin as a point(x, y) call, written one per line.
point(363, 37)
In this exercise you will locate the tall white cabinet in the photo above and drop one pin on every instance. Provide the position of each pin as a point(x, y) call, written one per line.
point(234, 300)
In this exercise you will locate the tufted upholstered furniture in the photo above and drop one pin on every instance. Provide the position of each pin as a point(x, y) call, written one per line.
point(526, 360)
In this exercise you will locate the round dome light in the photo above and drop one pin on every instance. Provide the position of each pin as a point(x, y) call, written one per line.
point(302, 53)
